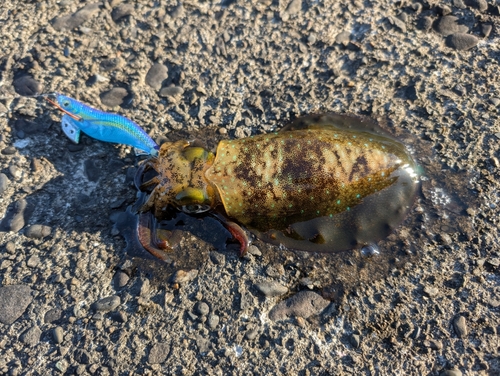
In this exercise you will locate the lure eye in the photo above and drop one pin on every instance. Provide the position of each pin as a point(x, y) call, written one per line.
point(65, 104)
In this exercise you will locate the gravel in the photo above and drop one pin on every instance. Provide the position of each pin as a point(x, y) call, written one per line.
point(427, 304)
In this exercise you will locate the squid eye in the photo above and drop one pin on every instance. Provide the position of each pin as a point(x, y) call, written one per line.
point(65, 104)
point(195, 208)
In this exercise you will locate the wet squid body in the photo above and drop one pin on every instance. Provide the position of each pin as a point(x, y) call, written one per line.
point(325, 183)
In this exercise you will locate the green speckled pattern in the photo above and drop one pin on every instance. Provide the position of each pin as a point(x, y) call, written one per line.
point(274, 180)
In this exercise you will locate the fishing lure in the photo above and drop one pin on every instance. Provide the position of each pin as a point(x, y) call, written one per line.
point(325, 183)
point(101, 125)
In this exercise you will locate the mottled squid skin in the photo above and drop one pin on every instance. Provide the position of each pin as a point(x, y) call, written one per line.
point(325, 183)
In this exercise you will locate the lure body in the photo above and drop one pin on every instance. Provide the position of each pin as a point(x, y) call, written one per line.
point(325, 183)
point(101, 125)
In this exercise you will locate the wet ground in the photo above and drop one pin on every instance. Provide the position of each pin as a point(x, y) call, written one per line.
point(74, 298)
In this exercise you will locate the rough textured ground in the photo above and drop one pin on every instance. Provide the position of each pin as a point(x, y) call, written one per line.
point(226, 69)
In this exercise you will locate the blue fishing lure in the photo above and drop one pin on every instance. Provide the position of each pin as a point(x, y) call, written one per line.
point(101, 125)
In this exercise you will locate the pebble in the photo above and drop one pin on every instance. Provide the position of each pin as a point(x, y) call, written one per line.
point(33, 261)
point(213, 321)
point(461, 41)
point(486, 29)
point(27, 85)
point(253, 250)
point(271, 289)
point(181, 276)
point(431, 291)
point(52, 315)
point(16, 222)
point(82, 356)
point(4, 183)
point(294, 7)
point(398, 23)
point(460, 326)
point(37, 231)
point(158, 353)
point(171, 91)
point(202, 344)
point(218, 258)
point(121, 11)
point(275, 270)
point(355, 340)
point(425, 23)
point(108, 65)
point(9, 150)
point(114, 97)
point(69, 22)
point(201, 308)
point(251, 334)
point(107, 304)
point(304, 304)
point(119, 316)
point(343, 38)
point(482, 5)
point(58, 334)
point(451, 372)
point(120, 279)
point(31, 337)
point(459, 4)
point(156, 75)
point(14, 300)
point(448, 25)
point(62, 365)
point(434, 344)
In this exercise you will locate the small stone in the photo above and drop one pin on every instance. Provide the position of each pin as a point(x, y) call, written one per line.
point(27, 85)
point(107, 304)
point(69, 22)
point(62, 365)
point(444, 239)
point(33, 261)
point(355, 340)
point(202, 308)
point(251, 334)
point(217, 258)
point(203, 344)
point(451, 372)
point(448, 25)
point(31, 337)
point(9, 150)
point(271, 289)
point(82, 356)
point(486, 29)
point(171, 91)
point(108, 65)
point(119, 316)
point(37, 231)
point(434, 344)
point(58, 334)
point(156, 75)
point(158, 353)
point(16, 221)
point(52, 315)
point(294, 7)
point(399, 24)
point(121, 11)
point(431, 291)
point(275, 270)
point(114, 97)
point(120, 279)
point(425, 23)
point(481, 5)
point(253, 250)
point(304, 304)
point(462, 42)
point(181, 276)
point(14, 300)
point(343, 38)
point(213, 321)
point(460, 326)
point(459, 4)
point(4, 183)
